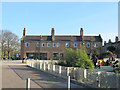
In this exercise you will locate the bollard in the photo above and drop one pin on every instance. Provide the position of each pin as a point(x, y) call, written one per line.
point(68, 82)
point(28, 84)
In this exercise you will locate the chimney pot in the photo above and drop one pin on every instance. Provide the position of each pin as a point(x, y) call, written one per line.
point(24, 32)
point(53, 34)
point(104, 43)
point(81, 33)
point(116, 39)
point(109, 41)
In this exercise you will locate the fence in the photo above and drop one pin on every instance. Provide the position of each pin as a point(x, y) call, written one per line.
point(85, 76)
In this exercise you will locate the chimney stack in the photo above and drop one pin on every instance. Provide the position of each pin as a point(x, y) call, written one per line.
point(116, 39)
point(81, 33)
point(109, 41)
point(53, 34)
point(24, 32)
point(104, 43)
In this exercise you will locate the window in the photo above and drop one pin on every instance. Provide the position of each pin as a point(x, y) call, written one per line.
point(38, 44)
point(53, 44)
point(75, 44)
point(48, 44)
point(55, 56)
point(43, 44)
point(57, 44)
point(61, 54)
point(67, 44)
point(27, 44)
point(96, 45)
point(88, 45)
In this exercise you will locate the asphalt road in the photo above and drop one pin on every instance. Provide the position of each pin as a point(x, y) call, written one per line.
point(14, 75)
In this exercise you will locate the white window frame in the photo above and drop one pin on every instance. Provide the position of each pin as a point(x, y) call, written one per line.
point(43, 44)
point(96, 45)
point(27, 44)
point(48, 44)
point(37, 44)
point(67, 45)
point(88, 45)
point(54, 44)
point(75, 44)
point(57, 44)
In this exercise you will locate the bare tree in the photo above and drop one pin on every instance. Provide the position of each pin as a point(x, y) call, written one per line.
point(0, 43)
point(10, 43)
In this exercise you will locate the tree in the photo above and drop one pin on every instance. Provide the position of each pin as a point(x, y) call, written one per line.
point(95, 52)
point(0, 44)
point(78, 58)
point(10, 43)
point(107, 54)
point(111, 49)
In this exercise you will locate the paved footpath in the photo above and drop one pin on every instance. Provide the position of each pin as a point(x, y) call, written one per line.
point(14, 75)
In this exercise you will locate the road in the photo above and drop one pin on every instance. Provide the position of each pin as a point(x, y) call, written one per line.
point(14, 75)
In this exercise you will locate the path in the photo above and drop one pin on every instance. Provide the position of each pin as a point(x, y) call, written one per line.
point(105, 69)
point(14, 75)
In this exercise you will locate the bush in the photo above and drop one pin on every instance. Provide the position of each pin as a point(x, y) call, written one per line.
point(77, 58)
point(107, 54)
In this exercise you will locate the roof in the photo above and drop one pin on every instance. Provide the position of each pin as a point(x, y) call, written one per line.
point(63, 38)
point(113, 42)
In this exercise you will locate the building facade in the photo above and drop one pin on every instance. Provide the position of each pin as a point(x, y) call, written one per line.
point(53, 46)
point(116, 44)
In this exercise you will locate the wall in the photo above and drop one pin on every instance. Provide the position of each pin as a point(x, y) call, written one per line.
point(84, 76)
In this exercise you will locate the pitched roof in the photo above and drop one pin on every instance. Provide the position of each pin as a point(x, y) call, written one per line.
point(63, 38)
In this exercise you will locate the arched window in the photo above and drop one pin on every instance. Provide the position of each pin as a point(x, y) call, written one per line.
point(75, 44)
point(57, 44)
point(96, 45)
point(27, 44)
point(67, 45)
point(53, 44)
point(43, 44)
point(88, 45)
point(48, 44)
point(37, 44)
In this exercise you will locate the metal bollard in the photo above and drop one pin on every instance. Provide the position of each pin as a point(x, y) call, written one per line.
point(28, 84)
point(68, 82)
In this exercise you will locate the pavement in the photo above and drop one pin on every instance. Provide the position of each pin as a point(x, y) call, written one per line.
point(14, 75)
point(105, 69)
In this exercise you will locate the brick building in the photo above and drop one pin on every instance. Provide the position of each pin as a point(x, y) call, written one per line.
point(53, 46)
point(116, 44)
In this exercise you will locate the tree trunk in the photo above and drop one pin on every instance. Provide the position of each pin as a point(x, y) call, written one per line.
point(8, 54)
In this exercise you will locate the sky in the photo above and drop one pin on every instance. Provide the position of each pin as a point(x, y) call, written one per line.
point(65, 17)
